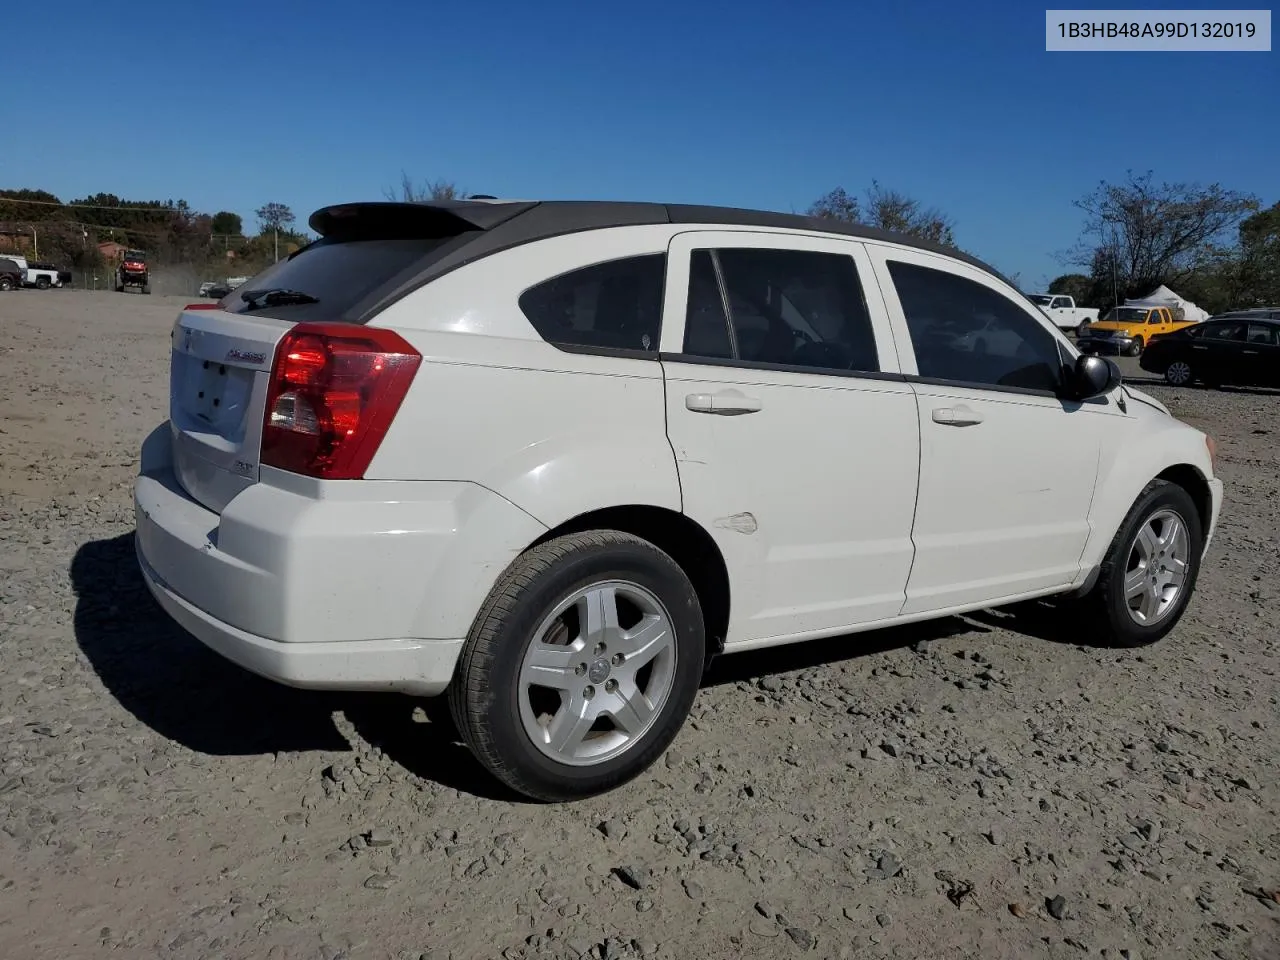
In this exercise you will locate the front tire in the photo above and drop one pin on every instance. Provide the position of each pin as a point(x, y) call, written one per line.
point(581, 666)
point(1150, 569)
point(1136, 349)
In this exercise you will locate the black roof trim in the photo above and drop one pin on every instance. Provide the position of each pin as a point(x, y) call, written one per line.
point(438, 218)
point(474, 229)
point(547, 218)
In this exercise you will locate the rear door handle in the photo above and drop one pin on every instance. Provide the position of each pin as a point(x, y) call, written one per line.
point(727, 403)
point(1199, 348)
point(960, 416)
point(1250, 353)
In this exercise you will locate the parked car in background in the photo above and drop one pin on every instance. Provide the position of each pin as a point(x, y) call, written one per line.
point(1250, 313)
point(1242, 351)
point(43, 275)
point(549, 459)
point(217, 289)
point(11, 274)
point(1127, 330)
point(1062, 310)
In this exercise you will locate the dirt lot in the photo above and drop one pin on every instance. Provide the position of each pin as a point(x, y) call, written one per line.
point(991, 786)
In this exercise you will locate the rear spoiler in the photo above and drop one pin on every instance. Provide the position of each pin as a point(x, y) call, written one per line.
point(435, 220)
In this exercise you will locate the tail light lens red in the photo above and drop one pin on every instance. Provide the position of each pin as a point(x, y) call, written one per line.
point(334, 391)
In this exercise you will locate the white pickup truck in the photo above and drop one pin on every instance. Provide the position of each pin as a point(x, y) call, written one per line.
point(1062, 310)
point(35, 275)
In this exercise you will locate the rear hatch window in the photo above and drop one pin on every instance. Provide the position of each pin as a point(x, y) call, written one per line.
point(367, 252)
point(337, 274)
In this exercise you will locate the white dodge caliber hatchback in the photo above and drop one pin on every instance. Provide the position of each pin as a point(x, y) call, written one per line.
point(548, 459)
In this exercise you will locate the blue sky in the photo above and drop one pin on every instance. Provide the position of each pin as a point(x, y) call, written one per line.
point(769, 105)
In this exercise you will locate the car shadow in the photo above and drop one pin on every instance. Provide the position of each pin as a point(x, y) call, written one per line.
point(185, 692)
point(754, 664)
point(1051, 619)
point(180, 689)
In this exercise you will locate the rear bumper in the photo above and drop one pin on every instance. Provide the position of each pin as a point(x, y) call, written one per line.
point(360, 585)
point(420, 667)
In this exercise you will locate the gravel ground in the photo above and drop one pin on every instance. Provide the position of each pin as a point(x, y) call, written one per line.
point(985, 786)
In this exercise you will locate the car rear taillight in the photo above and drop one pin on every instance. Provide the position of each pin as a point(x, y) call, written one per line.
point(334, 391)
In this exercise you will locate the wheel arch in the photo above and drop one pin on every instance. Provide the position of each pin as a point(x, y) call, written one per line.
point(680, 537)
point(1197, 485)
point(1161, 450)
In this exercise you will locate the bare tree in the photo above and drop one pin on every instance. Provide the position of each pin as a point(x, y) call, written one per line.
point(891, 210)
point(837, 205)
point(888, 210)
point(1156, 233)
point(410, 192)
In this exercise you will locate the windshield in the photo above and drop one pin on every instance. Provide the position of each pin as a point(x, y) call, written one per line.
point(1126, 314)
point(1040, 300)
point(134, 255)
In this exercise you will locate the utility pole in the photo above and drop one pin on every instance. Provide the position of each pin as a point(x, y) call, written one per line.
point(276, 231)
point(1115, 253)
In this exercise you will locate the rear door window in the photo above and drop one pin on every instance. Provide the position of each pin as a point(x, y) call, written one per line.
point(615, 305)
point(788, 308)
point(1262, 334)
point(338, 274)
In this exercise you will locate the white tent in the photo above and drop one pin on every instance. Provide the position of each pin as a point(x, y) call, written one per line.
point(1164, 297)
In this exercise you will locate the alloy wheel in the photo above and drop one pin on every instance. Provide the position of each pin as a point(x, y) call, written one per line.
point(597, 673)
point(1158, 563)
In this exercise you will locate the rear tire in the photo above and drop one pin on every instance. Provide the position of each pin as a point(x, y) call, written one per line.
point(1178, 373)
point(146, 289)
point(42, 283)
point(624, 691)
point(1150, 569)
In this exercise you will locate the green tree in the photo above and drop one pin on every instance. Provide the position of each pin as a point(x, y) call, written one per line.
point(1260, 258)
point(225, 223)
point(30, 205)
point(273, 218)
point(1075, 285)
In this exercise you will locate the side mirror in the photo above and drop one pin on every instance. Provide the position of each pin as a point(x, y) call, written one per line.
point(1093, 376)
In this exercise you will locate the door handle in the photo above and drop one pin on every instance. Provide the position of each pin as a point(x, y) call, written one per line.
point(960, 416)
point(1199, 348)
point(1250, 353)
point(727, 404)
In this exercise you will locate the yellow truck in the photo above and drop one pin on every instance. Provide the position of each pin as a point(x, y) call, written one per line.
point(1128, 329)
